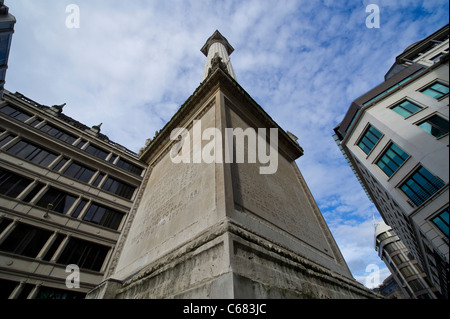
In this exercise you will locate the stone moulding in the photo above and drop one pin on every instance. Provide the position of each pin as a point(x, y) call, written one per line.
point(187, 251)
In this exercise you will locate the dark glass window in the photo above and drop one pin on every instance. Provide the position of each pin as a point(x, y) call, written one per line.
point(112, 159)
point(60, 164)
point(392, 159)
point(98, 179)
point(25, 240)
point(441, 221)
point(4, 222)
point(54, 246)
point(129, 167)
point(36, 189)
point(119, 188)
point(15, 113)
point(12, 185)
point(406, 108)
point(59, 201)
point(435, 125)
point(79, 208)
point(79, 172)
point(59, 294)
point(436, 90)
point(32, 153)
point(84, 254)
point(58, 133)
point(6, 139)
point(369, 139)
point(97, 152)
point(421, 186)
point(103, 216)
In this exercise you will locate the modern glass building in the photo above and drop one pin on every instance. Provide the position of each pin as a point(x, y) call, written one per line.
point(395, 138)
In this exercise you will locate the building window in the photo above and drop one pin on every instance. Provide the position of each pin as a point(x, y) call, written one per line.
point(98, 179)
point(84, 254)
point(15, 113)
point(421, 186)
point(57, 201)
point(97, 152)
point(54, 246)
point(369, 139)
point(129, 167)
point(25, 240)
point(6, 139)
point(416, 285)
point(59, 294)
point(32, 153)
point(441, 221)
point(60, 164)
point(36, 189)
point(59, 134)
point(436, 90)
point(435, 125)
point(406, 108)
point(392, 159)
point(103, 216)
point(119, 188)
point(79, 172)
point(12, 185)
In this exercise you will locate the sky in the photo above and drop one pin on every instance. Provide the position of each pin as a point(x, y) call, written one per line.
point(131, 64)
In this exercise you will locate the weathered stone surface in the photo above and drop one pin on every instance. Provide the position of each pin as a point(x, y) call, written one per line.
point(222, 230)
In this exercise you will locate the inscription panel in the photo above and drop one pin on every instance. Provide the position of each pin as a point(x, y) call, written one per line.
point(278, 199)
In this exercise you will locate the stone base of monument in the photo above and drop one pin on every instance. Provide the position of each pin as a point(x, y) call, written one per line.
point(228, 261)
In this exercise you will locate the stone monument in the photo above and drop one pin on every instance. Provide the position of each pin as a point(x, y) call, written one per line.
point(216, 216)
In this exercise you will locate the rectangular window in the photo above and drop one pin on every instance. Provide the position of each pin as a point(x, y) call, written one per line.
point(436, 90)
point(54, 246)
point(441, 221)
point(36, 189)
point(56, 200)
point(15, 113)
point(6, 139)
point(12, 185)
point(119, 188)
point(103, 216)
point(60, 164)
point(369, 139)
point(59, 134)
point(84, 254)
point(79, 172)
point(25, 240)
point(98, 179)
point(79, 208)
point(435, 125)
point(97, 152)
point(421, 186)
point(392, 159)
point(59, 294)
point(406, 108)
point(129, 167)
point(33, 153)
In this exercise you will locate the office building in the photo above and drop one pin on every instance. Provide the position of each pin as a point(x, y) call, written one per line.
point(410, 278)
point(395, 138)
point(65, 193)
